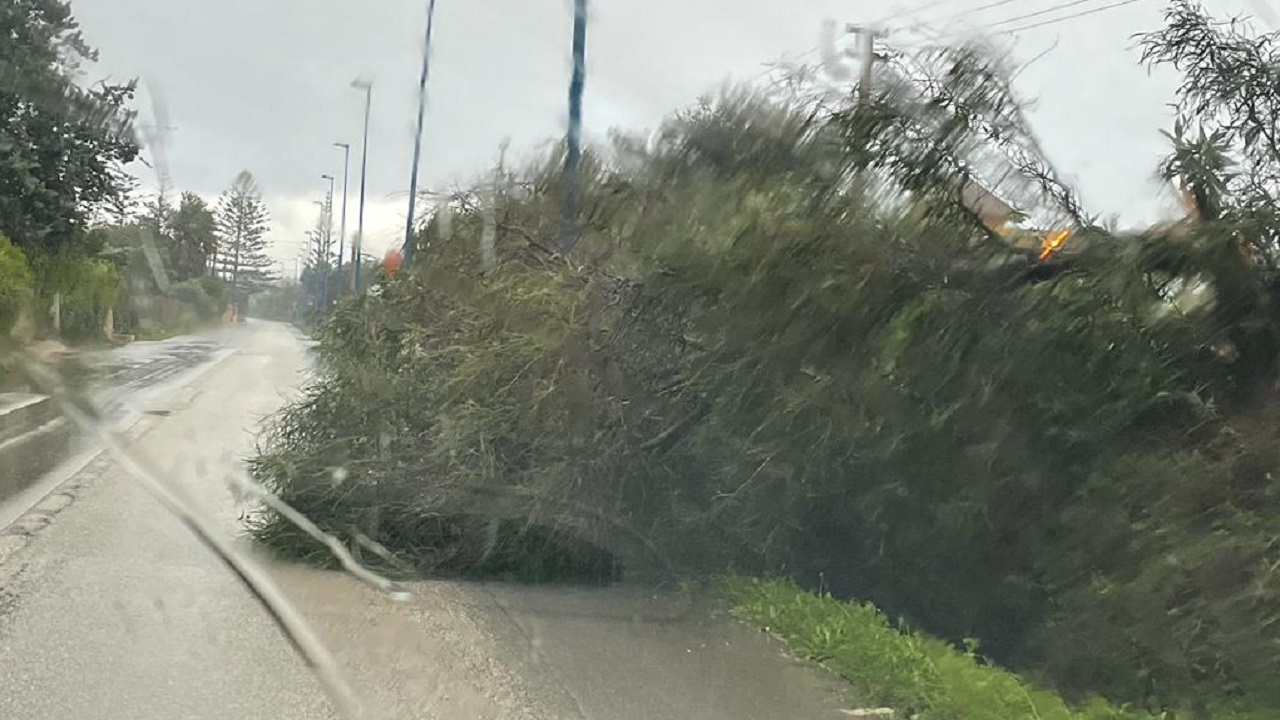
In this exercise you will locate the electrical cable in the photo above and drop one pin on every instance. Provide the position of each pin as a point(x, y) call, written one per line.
point(1064, 18)
point(980, 8)
point(1038, 13)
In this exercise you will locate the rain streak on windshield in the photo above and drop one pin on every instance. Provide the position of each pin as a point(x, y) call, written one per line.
point(630, 361)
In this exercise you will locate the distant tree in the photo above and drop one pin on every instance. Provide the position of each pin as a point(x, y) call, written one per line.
point(319, 282)
point(123, 206)
point(157, 215)
point(320, 239)
point(240, 256)
point(59, 139)
point(193, 237)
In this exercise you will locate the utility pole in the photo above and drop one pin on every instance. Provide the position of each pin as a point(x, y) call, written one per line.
point(867, 56)
point(573, 154)
point(417, 140)
point(342, 228)
point(367, 86)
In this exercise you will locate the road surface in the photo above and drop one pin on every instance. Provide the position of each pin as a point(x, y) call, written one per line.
point(124, 378)
point(119, 382)
point(109, 609)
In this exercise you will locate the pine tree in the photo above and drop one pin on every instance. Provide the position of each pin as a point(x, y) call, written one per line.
point(240, 256)
point(157, 216)
point(121, 208)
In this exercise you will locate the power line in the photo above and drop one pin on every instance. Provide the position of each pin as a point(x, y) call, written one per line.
point(1064, 18)
point(1017, 18)
point(980, 8)
point(1038, 13)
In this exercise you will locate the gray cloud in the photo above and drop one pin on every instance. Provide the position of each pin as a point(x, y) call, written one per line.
point(263, 84)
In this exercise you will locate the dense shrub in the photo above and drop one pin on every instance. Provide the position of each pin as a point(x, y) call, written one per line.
point(15, 283)
point(758, 362)
point(88, 288)
point(205, 295)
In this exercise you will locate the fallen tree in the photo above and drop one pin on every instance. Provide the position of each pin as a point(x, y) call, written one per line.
point(785, 346)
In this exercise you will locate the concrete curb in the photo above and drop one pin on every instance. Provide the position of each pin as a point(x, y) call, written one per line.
point(15, 536)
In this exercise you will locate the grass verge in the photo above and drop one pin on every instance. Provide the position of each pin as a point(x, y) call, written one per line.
point(915, 675)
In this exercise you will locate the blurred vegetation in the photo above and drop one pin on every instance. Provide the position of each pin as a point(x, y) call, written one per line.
point(785, 346)
point(60, 143)
point(281, 301)
point(88, 287)
point(206, 295)
point(15, 284)
point(78, 245)
point(160, 297)
point(60, 138)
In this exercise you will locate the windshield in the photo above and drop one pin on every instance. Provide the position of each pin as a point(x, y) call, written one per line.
point(589, 359)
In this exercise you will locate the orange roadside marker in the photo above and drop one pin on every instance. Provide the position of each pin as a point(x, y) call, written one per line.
point(392, 261)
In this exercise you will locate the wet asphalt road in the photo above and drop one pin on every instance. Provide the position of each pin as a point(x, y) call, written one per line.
point(112, 610)
point(120, 376)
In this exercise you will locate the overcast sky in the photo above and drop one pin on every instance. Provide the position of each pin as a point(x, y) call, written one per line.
point(264, 85)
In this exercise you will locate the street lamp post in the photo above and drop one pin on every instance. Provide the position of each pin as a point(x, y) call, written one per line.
point(342, 228)
point(417, 140)
point(573, 139)
point(367, 86)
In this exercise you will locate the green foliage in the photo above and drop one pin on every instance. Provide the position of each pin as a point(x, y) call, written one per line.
point(15, 283)
point(141, 308)
point(787, 346)
point(62, 144)
point(193, 238)
point(90, 287)
point(916, 675)
point(59, 139)
point(239, 256)
point(87, 287)
point(1230, 98)
point(205, 295)
point(183, 324)
point(215, 289)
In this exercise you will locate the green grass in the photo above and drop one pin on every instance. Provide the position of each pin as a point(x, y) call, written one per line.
point(914, 674)
point(151, 330)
